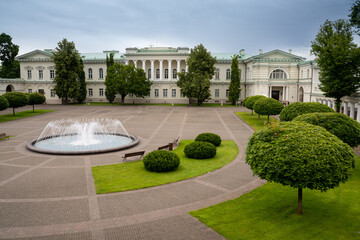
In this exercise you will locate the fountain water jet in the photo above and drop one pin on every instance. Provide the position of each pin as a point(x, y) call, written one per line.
point(83, 136)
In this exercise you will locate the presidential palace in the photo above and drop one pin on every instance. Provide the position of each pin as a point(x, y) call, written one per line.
point(278, 74)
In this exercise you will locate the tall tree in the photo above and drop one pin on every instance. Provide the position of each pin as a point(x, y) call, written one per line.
point(10, 67)
point(234, 88)
point(355, 15)
point(82, 91)
point(67, 65)
point(110, 91)
point(196, 82)
point(126, 79)
point(338, 60)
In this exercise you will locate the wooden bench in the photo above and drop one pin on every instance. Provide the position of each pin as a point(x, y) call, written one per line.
point(133, 154)
point(4, 136)
point(168, 146)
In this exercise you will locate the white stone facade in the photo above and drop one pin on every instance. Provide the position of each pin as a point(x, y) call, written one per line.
point(278, 74)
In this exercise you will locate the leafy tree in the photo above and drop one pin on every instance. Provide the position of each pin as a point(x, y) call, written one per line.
point(300, 155)
point(82, 91)
point(250, 101)
point(67, 67)
point(342, 126)
point(295, 109)
point(110, 92)
point(36, 98)
point(196, 82)
point(355, 15)
point(16, 99)
point(126, 79)
point(10, 67)
point(234, 88)
point(4, 104)
point(338, 60)
point(268, 106)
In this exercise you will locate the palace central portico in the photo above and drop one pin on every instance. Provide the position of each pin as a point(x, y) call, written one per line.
point(277, 74)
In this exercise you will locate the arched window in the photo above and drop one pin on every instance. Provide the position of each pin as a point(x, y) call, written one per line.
point(101, 73)
point(166, 73)
point(183, 70)
point(217, 73)
point(301, 94)
point(228, 74)
point(90, 73)
point(278, 74)
point(174, 73)
point(157, 73)
point(149, 73)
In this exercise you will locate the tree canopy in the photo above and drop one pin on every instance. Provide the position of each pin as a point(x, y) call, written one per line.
point(355, 15)
point(234, 88)
point(36, 98)
point(67, 67)
point(4, 104)
point(250, 101)
point(10, 68)
point(16, 100)
point(300, 155)
point(110, 92)
point(196, 82)
point(126, 79)
point(268, 106)
point(338, 58)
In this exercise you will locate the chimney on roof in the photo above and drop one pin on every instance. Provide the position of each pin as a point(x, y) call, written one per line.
point(290, 50)
point(242, 52)
point(260, 51)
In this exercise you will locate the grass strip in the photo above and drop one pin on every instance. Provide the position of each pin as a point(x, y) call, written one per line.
point(253, 120)
point(24, 114)
point(133, 175)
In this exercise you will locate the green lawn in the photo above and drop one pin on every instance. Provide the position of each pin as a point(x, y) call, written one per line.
point(133, 175)
point(24, 114)
point(269, 212)
point(253, 120)
point(156, 104)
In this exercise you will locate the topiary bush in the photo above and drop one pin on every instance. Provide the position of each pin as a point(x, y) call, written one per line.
point(342, 126)
point(268, 106)
point(16, 99)
point(161, 161)
point(4, 104)
point(252, 100)
point(244, 101)
point(210, 138)
point(300, 155)
point(295, 109)
point(200, 150)
point(36, 98)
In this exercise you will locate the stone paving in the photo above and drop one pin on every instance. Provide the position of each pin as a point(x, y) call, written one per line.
point(53, 197)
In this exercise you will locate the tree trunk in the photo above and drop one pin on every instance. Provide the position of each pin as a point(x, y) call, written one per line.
point(33, 107)
point(299, 210)
point(337, 105)
point(258, 116)
point(123, 99)
point(252, 112)
point(268, 118)
point(13, 111)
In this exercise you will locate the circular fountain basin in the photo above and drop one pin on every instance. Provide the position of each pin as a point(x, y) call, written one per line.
point(69, 144)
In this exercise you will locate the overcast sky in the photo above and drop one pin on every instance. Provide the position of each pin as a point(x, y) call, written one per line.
point(222, 26)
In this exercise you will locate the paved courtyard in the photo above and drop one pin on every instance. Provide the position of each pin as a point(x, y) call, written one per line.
point(53, 197)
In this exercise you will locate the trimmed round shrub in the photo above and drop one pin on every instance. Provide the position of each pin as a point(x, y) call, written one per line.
point(200, 150)
point(244, 101)
point(210, 138)
point(295, 109)
point(268, 106)
point(16, 99)
point(4, 104)
point(252, 100)
point(342, 126)
point(161, 161)
point(36, 98)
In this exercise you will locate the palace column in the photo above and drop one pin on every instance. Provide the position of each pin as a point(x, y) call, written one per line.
point(284, 92)
point(352, 110)
point(287, 93)
point(178, 68)
point(270, 91)
point(358, 112)
point(135, 63)
point(345, 108)
point(143, 65)
point(186, 67)
point(152, 70)
point(161, 69)
point(169, 70)
point(126, 62)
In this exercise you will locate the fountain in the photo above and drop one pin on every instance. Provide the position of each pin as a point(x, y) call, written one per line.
point(83, 136)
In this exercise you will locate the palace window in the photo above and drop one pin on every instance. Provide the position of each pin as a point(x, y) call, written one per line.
point(174, 73)
point(29, 74)
point(41, 74)
point(52, 93)
point(52, 74)
point(156, 93)
point(217, 93)
point(41, 91)
point(90, 92)
point(90, 73)
point(149, 73)
point(101, 73)
point(29, 90)
point(165, 93)
point(101, 92)
point(166, 73)
point(227, 93)
point(217, 73)
point(173, 93)
point(277, 74)
point(228, 74)
point(157, 73)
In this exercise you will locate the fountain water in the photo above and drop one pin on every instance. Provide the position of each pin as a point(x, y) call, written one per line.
point(83, 136)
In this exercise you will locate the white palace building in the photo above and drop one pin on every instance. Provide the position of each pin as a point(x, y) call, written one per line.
point(277, 74)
